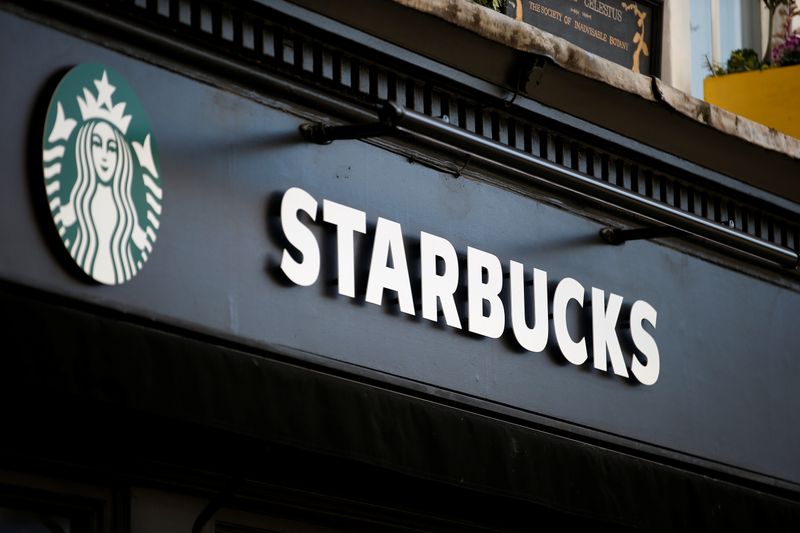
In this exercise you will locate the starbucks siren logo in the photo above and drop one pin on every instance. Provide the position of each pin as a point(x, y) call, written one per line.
point(101, 173)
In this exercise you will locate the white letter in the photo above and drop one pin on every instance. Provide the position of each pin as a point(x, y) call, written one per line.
point(435, 286)
point(389, 239)
point(604, 323)
point(645, 373)
point(347, 221)
point(566, 290)
point(534, 339)
point(478, 292)
point(305, 273)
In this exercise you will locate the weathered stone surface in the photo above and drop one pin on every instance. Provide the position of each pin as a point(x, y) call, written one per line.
point(526, 38)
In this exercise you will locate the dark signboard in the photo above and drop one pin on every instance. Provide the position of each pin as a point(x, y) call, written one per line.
point(227, 163)
point(627, 33)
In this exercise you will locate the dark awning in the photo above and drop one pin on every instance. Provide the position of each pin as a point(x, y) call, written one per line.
point(84, 385)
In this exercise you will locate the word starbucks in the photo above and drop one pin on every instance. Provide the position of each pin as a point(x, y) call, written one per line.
point(485, 308)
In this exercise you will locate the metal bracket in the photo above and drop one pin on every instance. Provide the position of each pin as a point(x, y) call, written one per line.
point(388, 115)
point(537, 70)
point(620, 236)
point(216, 503)
point(674, 222)
point(655, 87)
point(532, 69)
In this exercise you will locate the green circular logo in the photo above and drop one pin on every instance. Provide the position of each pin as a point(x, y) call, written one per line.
point(101, 173)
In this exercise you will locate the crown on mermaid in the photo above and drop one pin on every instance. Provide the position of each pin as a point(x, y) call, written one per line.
point(102, 106)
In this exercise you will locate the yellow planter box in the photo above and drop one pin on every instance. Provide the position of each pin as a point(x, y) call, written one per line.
point(770, 96)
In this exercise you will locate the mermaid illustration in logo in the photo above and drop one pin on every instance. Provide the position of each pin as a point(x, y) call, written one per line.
point(108, 239)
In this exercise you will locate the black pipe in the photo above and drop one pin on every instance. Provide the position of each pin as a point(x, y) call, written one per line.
point(621, 236)
point(552, 173)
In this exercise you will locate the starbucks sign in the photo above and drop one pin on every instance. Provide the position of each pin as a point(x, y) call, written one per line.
point(101, 173)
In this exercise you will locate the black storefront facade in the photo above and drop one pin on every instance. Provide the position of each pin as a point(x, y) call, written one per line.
point(234, 385)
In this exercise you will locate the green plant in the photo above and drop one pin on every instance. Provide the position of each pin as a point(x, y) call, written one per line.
point(743, 60)
point(787, 52)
